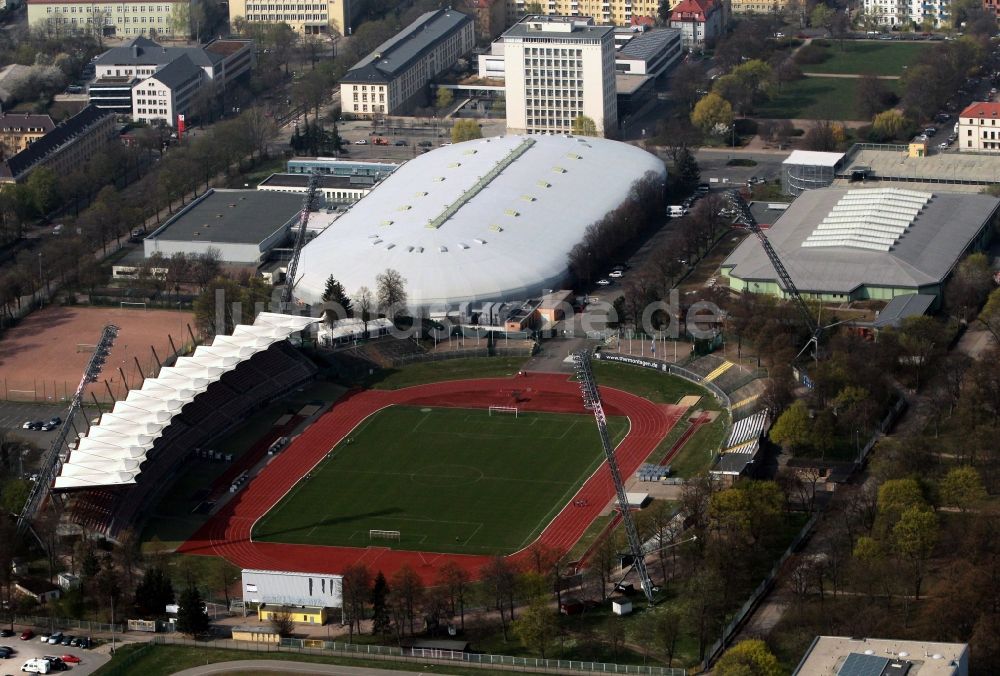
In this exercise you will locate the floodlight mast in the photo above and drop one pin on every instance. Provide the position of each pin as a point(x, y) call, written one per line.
point(592, 401)
point(50, 461)
point(300, 240)
point(744, 215)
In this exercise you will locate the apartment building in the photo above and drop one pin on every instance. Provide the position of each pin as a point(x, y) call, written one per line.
point(701, 22)
point(20, 130)
point(115, 17)
point(489, 17)
point(64, 149)
point(307, 18)
point(759, 6)
point(889, 13)
point(992, 6)
point(979, 128)
point(614, 12)
point(394, 78)
point(557, 68)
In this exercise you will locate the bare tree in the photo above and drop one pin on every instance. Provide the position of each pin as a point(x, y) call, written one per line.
point(282, 622)
point(355, 590)
point(364, 306)
point(454, 578)
point(391, 292)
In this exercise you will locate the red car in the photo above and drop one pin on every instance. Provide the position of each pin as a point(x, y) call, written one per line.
point(70, 659)
point(27, 635)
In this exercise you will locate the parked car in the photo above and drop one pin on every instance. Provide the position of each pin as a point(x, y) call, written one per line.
point(361, 142)
point(55, 420)
point(616, 274)
point(67, 640)
point(44, 638)
point(425, 144)
point(56, 663)
point(71, 659)
point(32, 425)
point(943, 145)
point(56, 638)
point(603, 282)
point(930, 131)
point(6, 633)
point(402, 142)
point(5, 652)
point(37, 666)
point(27, 635)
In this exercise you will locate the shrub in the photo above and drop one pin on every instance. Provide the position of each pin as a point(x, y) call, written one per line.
point(811, 54)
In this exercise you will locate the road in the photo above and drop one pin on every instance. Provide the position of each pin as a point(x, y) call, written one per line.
point(271, 666)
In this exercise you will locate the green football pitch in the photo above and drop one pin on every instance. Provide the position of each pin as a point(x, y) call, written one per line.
point(449, 480)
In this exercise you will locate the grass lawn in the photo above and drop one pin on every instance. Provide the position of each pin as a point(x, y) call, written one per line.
point(695, 457)
point(444, 478)
point(883, 57)
point(656, 386)
point(816, 98)
point(449, 369)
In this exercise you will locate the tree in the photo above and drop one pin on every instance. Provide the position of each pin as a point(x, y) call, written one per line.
point(687, 84)
point(282, 622)
point(686, 167)
point(537, 626)
point(871, 96)
point(969, 286)
point(889, 124)
point(180, 20)
point(153, 593)
point(584, 126)
point(356, 590)
point(793, 428)
point(820, 136)
point(191, 616)
point(713, 114)
point(915, 535)
point(364, 304)
point(407, 593)
point(381, 624)
point(749, 658)
point(444, 98)
point(821, 17)
point(666, 631)
point(465, 130)
point(962, 487)
point(499, 583)
point(334, 293)
point(454, 578)
point(391, 292)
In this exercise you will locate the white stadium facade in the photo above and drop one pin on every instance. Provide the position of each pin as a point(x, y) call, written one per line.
point(486, 220)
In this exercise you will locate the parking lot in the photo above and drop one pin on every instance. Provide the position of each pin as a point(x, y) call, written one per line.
point(90, 660)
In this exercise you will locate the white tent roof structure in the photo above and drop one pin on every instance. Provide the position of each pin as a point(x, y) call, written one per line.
point(111, 453)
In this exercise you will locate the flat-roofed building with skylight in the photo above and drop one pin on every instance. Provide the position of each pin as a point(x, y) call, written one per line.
point(808, 170)
point(844, 244)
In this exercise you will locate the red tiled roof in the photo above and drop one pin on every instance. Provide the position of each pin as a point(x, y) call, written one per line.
point(699, 9)
point(982, 109)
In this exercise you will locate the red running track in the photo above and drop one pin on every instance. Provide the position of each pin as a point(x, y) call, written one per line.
point(228, 533)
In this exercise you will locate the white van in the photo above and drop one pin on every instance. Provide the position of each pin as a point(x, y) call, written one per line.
point(37, 666)
point(676, 211)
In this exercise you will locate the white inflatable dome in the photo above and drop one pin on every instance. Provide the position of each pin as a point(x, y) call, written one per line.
point(485, 220)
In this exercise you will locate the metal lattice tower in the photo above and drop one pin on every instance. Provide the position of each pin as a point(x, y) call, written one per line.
point(300, 240)
point(50, 461)
point(744, 216)
point(592, 401)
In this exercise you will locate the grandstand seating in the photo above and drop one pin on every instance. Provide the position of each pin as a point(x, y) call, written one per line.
point(705, 364)
point(388, 351)
point(254, 383)
point(719, 370)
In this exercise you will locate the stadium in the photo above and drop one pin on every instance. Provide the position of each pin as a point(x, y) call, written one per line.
point(485, 220)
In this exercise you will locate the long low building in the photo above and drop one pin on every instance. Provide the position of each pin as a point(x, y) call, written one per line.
point(487, 220)
point(335, 189)
point(851, 244)
point(242, 225)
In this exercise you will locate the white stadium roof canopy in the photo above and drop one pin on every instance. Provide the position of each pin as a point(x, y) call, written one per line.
point(112, 451)
point(490, 219)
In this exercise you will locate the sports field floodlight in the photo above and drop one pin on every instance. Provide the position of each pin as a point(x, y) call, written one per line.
point(592, 402)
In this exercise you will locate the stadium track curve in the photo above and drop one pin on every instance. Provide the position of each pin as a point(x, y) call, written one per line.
point(228, 532)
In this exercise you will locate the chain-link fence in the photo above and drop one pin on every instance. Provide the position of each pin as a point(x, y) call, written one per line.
point(425, 655)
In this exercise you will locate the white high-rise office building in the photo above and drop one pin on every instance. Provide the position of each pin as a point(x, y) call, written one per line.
point(557, 69)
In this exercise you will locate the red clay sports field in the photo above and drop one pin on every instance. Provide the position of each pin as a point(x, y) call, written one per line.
point(227, 533)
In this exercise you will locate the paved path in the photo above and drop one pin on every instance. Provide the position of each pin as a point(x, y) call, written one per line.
point(245, 666)
point(850, 76)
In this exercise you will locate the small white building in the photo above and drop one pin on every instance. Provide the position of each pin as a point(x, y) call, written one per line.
point(335, 189)
point(289, 588)
point(979, 128)
point(621, 606)
point(68, 581)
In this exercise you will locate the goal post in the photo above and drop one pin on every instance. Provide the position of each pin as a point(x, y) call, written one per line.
point(376, 534)
point(503, 410)
point(131, 305)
